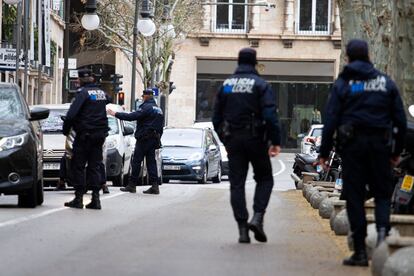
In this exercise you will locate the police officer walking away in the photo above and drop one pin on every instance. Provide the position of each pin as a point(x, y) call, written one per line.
point(150, 123)
point(87, 116)
point(245, 119)
point(366, 111)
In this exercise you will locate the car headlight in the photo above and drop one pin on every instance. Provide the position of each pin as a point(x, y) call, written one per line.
point(11, 142)
point(111, 144)
point(195, 156)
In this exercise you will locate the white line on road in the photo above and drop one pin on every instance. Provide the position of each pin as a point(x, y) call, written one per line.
point(282, 169)
point(45, 213)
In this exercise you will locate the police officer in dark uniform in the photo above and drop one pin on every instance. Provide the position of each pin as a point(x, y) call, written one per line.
point(87, 116)
point(366, 111)
point(150, 123)
point(245, 119)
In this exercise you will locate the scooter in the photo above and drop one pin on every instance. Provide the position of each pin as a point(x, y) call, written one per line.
point(306, 163)
point(403, 197)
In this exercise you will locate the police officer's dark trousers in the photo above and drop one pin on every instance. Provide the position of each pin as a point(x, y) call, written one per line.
point(145, 148)
point(87, 149)
point(242, 148)
point(366, 163)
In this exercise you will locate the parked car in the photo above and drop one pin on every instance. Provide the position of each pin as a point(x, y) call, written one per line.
point(223, 151)
point(54, 142)
point(120, 148)
point(21, 147)
point(190, 154)
point(314, 132)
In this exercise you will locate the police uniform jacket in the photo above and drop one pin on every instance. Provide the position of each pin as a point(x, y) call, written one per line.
point(245, 95)
point(149, 118)
point(366, 99)
point(88, 111)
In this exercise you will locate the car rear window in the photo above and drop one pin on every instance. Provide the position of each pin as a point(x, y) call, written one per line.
point(182, 138)
point(316, 132)
point(53, 123)
point(10, 104)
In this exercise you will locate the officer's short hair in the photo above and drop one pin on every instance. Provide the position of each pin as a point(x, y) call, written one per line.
point(149, 92)
point(86, 75)
point(357, 49)
point(247, 56)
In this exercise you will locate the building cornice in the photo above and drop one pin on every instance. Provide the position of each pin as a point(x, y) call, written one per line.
point(209, 35)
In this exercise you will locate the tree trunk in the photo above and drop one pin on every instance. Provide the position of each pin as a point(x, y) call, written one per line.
point(388, 27)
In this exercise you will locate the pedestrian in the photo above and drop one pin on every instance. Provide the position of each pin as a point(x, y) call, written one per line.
point(87, 116)
point(366, 112)
point(150, 123)
point(246, 120)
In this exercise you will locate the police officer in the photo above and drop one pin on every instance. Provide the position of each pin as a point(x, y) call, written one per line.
point(87, 116)
point(245, 119)
point(150, 123)
point(366, 111)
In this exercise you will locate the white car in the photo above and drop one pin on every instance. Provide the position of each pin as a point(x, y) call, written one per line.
point(120, 147)
point(223, 152)
point(314, 134)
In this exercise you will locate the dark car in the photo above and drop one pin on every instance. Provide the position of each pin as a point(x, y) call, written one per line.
point(21, 147)
point(190, 154)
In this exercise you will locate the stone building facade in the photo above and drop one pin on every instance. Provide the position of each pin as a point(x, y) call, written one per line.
point(298, 44)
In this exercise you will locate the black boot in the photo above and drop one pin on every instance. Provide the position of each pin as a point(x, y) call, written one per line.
point(77, 202)
point(154, 190)
point(359, 258)
point(382, 234)
point(105, 189)
point(129, 188)
point(95, 202)
point(244, 232)
point(256, 225)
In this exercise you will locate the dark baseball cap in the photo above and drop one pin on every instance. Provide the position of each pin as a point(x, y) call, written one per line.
point(148, 92)
point(84, 73)
point(247, 56)
point(357, 49)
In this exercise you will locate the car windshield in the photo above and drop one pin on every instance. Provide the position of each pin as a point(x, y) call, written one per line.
point(10, 104)
point(53, 123)
point(317, 132)
point(192, 138)
point(113, 125)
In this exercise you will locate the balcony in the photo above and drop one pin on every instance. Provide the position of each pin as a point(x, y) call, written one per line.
point(314, 30)
point(234, 28)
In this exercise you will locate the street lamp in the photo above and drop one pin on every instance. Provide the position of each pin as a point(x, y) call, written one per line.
point(12, 2)
point(146, 27)
point(90, 21)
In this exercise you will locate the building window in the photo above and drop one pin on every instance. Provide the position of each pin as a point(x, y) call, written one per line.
point(313, 17)
point(230, 16)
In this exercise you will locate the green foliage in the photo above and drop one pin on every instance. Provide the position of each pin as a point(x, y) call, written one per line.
point(8, 21)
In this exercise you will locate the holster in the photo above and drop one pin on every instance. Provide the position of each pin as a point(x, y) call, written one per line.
point(345, 135)
point(224, 131)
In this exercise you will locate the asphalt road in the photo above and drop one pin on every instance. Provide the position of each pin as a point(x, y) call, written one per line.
point(187, 230)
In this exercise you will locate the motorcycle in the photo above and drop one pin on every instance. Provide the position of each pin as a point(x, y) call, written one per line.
point(403, 197)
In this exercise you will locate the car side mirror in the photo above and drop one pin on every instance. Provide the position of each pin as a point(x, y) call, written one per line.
point(411, 110)
point(39, 113)
point(212, 147)
point(128, 130)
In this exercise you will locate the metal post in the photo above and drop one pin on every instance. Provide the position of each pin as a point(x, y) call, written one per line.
point(39, 51)
point(18, 41)
point(65, 96)
point(26, 47)
point(134, 55)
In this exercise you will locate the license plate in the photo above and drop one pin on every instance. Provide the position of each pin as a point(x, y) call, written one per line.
point(51, 166)
point(407, 184)
point(172, 168)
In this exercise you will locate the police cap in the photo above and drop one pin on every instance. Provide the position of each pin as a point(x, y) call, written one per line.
point(84, 73)
point(247, 56)
point(357, 49)
point(148, 92)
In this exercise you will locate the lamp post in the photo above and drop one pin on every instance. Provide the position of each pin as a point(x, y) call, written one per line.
point(147, 28)
point(90, 20)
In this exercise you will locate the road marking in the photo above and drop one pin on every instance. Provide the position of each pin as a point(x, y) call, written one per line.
point(282, 169)
point(45, 213)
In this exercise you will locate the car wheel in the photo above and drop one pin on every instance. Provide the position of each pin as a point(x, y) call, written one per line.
point(119, 179)
point(40, 195)
point(204, 179)
point(217, 178)
point(28, 199)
